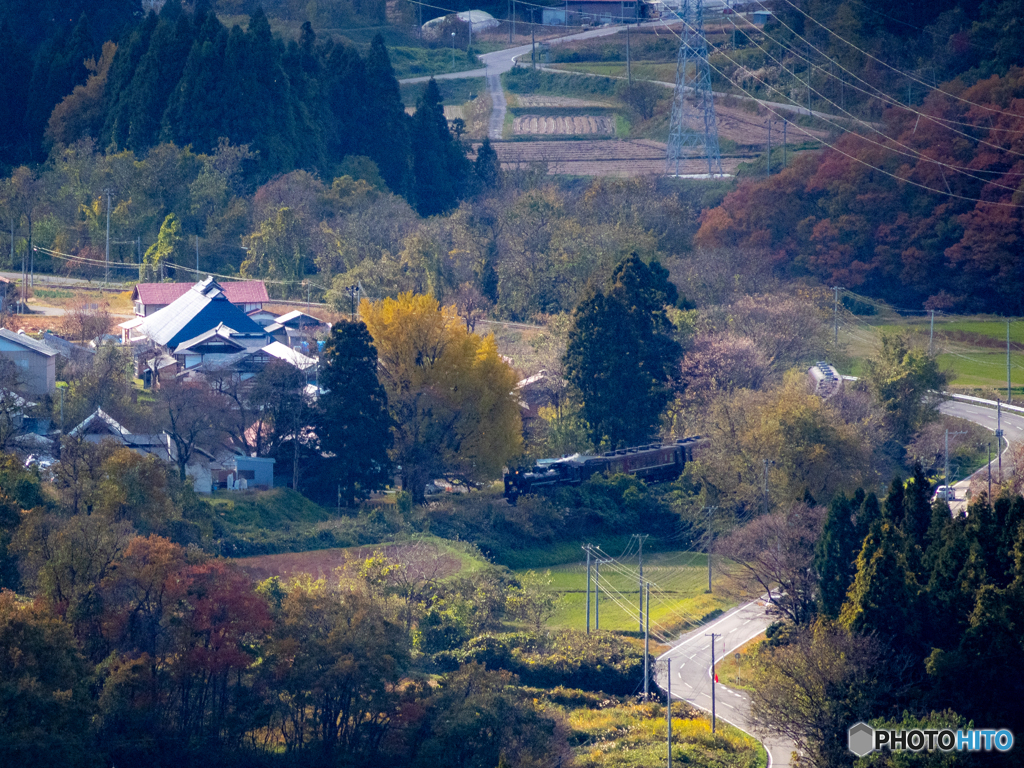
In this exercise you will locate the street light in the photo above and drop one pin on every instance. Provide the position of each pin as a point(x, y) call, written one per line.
point(353, 293)
point(453, 51)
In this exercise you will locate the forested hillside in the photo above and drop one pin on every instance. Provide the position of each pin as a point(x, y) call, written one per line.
point(182, 77)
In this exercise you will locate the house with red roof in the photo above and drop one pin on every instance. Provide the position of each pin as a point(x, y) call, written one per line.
point(247, 295)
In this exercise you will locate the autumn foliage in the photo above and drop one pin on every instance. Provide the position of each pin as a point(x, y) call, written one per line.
point(925, 213)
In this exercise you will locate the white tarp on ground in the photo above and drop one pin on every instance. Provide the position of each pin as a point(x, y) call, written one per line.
point(481, 20)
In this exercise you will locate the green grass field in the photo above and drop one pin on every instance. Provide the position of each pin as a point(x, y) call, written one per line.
point(972, 349)
point(678, 597)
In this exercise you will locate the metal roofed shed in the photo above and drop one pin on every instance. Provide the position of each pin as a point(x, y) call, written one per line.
point(480, 20)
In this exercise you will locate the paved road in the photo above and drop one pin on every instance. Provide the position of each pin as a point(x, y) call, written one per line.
point(499, 62)
point(691, 655)
point(691, 672)
point(1013, 432)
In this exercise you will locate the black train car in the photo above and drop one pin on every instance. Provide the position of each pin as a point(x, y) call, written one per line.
point(654, 463)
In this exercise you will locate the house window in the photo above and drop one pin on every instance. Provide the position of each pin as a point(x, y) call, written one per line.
point(247, 474)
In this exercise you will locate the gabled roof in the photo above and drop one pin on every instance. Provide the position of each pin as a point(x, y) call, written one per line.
point(102, 420)
point(301, 317)
point(221, 331)
point(28, 343)
point(238, 292)
point(202, 307)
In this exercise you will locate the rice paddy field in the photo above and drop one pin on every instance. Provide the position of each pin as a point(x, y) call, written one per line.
point(678, 597)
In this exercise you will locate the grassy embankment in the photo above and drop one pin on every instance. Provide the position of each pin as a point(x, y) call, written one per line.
point(618, 733)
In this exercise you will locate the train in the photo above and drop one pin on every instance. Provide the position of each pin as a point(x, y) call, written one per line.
point(656, 463)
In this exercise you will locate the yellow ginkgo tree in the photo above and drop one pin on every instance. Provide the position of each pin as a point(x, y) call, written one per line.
point(451, 396)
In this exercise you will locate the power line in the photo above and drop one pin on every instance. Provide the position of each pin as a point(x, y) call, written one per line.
point(878, 93)
point(772, 109)
point(889, 66)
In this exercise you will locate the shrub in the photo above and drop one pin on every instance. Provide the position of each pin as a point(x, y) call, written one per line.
point(570, 659)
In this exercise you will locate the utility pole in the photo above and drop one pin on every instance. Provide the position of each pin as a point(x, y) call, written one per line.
point(106, 274)
point(197, 257)
point(835, 331)
point(769, 147)
point(668, 709)
point(587, 550)
point(647, 644)
point(785, 125)
point(533, 45)
point(1009, 396)
point(990, 473)
point(931, 336)
point(508, 10)
point(640, 539)
point(711, 511)
point(714, 677)
point(999, 437)
point(629, 70)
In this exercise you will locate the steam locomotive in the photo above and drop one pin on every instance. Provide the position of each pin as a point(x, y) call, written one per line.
point(654, 463)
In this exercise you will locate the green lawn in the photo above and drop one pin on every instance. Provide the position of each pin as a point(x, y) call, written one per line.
point(678, 597)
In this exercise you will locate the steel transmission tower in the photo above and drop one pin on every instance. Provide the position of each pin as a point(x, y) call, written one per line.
point(693, 131)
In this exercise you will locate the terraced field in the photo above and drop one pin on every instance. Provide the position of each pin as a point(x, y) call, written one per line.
point(574, 125)
point(607, 157)
point(557, 102)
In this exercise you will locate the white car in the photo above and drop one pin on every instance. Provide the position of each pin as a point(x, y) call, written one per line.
point(945, 493)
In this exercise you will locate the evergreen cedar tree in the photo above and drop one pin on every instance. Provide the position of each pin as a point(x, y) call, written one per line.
point(352, 413)
point(450, 394)
point(440, 166)
point(620, 354)
point(185, 78)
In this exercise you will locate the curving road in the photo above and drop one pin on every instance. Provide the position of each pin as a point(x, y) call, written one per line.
point(691, 655)
point(691, 672)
